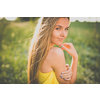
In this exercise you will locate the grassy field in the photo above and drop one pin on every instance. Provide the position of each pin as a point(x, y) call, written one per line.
point(14, 42)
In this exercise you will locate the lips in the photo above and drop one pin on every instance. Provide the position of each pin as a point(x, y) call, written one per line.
point(60, 39)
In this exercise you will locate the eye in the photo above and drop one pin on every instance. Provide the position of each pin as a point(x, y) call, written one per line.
point(66, 29)
point(57, 28)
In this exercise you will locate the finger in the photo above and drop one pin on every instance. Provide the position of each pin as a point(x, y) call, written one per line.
point(66, 76)
point(67, 68)
point(64, 48)
point(67, 65)
point(70, 70)
point(67, 44)
point(65, 72)
point(70, 73)
point(67, 79)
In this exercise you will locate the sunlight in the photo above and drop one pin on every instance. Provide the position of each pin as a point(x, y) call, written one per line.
point(11, 18)
point(72, 19)
point(87, 19)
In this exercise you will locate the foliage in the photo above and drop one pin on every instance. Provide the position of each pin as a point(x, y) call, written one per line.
point(13, 51)
point(26, 18)
point(81, 34)
point(14, 42)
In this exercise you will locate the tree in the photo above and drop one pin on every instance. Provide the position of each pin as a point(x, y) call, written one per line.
point(26, 18)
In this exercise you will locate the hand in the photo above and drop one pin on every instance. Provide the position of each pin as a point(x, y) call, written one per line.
point(67, 65)
point(66, 75)
point(70, 49)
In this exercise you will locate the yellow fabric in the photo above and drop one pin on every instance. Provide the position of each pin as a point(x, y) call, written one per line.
point(47, 78)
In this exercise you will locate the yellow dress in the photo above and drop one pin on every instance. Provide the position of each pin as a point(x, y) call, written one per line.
point(47, 78)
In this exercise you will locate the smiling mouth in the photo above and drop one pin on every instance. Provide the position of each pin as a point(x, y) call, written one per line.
point(60, 40)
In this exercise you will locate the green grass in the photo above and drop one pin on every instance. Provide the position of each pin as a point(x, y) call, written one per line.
point(14, 42)
point(14, 47)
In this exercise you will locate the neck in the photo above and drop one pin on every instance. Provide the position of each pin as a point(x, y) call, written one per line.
point(51, 45)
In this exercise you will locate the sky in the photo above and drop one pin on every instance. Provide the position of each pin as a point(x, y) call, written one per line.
point(89, 19)
point(81, 19)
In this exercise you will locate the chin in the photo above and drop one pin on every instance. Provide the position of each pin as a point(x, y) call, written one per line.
point(58, 43)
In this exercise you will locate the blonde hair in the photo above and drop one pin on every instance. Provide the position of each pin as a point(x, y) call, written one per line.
point(40, 45)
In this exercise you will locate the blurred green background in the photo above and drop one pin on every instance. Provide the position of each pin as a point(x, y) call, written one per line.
point(15, 37)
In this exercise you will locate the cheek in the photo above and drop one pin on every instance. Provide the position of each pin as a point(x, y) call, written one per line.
point(66, 34)
point(55, 34)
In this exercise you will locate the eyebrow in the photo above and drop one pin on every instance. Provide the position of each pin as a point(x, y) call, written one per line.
point(61, 26)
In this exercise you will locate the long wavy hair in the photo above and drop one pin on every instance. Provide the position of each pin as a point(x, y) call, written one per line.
point(39, 46)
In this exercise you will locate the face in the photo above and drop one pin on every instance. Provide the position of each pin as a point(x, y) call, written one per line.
point(60, 31)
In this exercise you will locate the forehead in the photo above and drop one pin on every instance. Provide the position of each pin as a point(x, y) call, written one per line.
point(63, 22)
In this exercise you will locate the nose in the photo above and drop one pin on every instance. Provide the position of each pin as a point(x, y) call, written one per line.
point(63, 33)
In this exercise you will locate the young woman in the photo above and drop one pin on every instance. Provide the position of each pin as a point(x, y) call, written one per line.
point(46, 64)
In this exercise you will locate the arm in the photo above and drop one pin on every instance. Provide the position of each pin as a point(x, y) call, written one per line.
point(71, 50)
point(74, 69)
point(58, 64)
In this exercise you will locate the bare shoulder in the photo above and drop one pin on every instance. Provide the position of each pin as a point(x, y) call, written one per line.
point(56, 56)
point(57, 61)
point(56, 51)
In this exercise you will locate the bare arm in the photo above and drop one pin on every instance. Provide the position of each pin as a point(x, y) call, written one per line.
point(71, 50)
point(58, 64)
point(74, 69)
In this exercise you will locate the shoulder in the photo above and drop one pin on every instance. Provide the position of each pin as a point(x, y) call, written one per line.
point(57, 61)
point(56, 56)
point(56, 51)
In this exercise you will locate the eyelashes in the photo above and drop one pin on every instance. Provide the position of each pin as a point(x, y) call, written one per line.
point(66, 29)
point(59, 29)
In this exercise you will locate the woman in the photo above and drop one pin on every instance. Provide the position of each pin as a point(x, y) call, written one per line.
point(46, 64)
